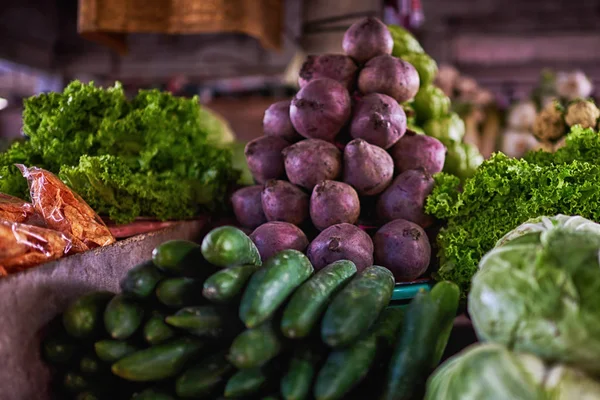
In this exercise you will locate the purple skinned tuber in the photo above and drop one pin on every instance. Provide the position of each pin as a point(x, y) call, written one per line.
point(405, 198)
point(341, 242)
point(333, 203)
point(366, 39)
point(379, 120)
point(402, 247)
point(414, 151)
point(389, 75)
point(275, 236)
point(284, 201)
point(264, 158)
point(338, 67)
point(247, 206)
point(311, 161)
point(367, 168)
point(276, 122)
point(321, 109)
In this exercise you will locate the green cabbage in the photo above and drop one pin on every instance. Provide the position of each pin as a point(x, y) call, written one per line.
point(404, 41)
point(492, 372)
point(447, 129)
point(425, 66)
point(430, 103)
point(539, 292)
point(462, 159)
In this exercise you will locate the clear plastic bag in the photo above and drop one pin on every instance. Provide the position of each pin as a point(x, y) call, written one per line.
point(14, 209)
point(23, 246)
point(64, 211)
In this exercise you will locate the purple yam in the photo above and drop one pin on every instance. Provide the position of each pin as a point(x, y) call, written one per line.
point(389, 75)
point(414, 151)
point(367, 168)
point(379, 120)
point(333, 203)
point(405, 198)
point(402, 247)
point(276, 122)
point(311, 161)
point(284, 201)
point(366, 39)
point(264, 158)
point(338, 67)
point(275, 236)
point(247, 206)
point(341, 242)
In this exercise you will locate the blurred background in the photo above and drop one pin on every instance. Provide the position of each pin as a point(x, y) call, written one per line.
point(240, 56)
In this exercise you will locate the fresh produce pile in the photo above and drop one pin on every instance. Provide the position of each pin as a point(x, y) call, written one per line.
point(153, 156)
point(430, 111)
point(506, 192)
point(212, 321)
point(534, 302)
point(338, 155)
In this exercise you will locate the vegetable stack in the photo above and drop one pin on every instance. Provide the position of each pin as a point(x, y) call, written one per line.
point(213, 320)
point(339, 156)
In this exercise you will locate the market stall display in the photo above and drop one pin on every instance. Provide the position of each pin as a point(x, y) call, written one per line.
point(241, 327)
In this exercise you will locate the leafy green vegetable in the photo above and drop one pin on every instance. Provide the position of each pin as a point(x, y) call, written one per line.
point(505, 192)
point(152, 156)
point(430, 103)
point(425, 66)
point(539, 290)
point(404, 41)
point(492, 372)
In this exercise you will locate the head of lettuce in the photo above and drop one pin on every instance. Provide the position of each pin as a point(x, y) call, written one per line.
point(538, 291)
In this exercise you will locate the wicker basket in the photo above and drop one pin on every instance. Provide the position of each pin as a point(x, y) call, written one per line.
point(108, 21)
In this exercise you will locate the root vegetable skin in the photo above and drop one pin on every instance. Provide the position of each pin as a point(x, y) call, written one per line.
point(273, 237)
point(276, 122)
point(379, 120)
point(311, 161)
point(405, 198)
point(366, 39)
point(264, 158)
point(415, 151)
point(321, 109)
point(391, 76)
point(247, 206)
point(341, 242)
point(284, 201)
point(402, 247)
point(367, 168)
point(338, 67)
point(333, 203)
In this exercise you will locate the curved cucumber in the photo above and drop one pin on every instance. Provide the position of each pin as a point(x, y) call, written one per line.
point(227, 284)
point(157, 331)
point(298, 380)
point(227, 246)
point(176, 256)
point(250, 292)
point(83, 317)
point(113, 350)
point(421, 342)
point(255, 347)
point(285, 271)
point(201, 380)
point(246, 382)
point(179, 292)
point(310, 300)
point(200, 320)
point(122, 317)
point(141, 280)
point(356, 307)
point(158, 362)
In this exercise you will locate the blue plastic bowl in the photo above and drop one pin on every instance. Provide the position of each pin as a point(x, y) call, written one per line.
point(404, 292)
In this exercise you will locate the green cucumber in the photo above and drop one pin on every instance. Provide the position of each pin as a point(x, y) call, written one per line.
point(208, 321)
point(58, 349)
point(427, 324)
point(90, 365)
point(75, 382)
point(227, 284)
point(83, 317)
point(357, 306)
point(203, 379)
point(246, 382)
point(310, 300)
point(158, 362)
point(285, 271)
point(112, 350)
point(298, 379)
point(179, 292)
point(141, 280)
point(122, 317)
point(157, 331)
point(250, 291)
point(227, 246)
point(176, 257)
point(255, 347)
point(152, 394)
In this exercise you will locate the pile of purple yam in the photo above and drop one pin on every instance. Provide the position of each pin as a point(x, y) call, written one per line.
point(338, 157)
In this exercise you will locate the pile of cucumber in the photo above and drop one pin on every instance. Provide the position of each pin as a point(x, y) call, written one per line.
point(211, 321)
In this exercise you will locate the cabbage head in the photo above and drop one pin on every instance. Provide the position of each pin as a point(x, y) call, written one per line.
point(539, 292)
point(426, 66)
point(493, 372)
point(447, 129)
point(430, 103)
point(462, 159)
point(404, 41)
